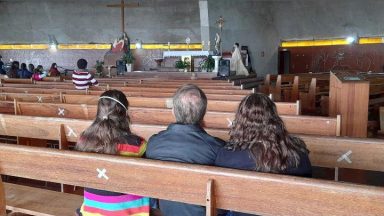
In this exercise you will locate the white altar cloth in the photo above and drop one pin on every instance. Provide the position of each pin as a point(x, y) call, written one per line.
point(186, 53)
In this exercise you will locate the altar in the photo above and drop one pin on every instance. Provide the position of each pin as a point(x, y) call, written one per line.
point(187, 55)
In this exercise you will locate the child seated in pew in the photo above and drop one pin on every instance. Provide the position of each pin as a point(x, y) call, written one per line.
point(53, 71)
point(110, 134)
point(259, 141)
point(81, 78)
point(39, 73)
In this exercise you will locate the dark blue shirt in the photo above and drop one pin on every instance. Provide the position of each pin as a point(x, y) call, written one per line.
point(186, 144)
point(24, 74)
point(243, 160)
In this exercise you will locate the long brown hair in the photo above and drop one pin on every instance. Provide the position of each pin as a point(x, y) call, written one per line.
point(110, 127)
point(258, 127)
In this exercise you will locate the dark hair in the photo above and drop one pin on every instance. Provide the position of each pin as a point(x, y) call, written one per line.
point(189, 104)
point(15, 64)
point(38, 69)
point(82, 64)
point(110, 127)
point(258, 127)
point(237, 44)
point(53, 65)
point(31, 67)
point(23, 66)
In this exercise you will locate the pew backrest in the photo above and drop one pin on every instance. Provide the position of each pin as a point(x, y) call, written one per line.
point(219, 120)
point(283, 108)
point(69, 130)
point(212, 187)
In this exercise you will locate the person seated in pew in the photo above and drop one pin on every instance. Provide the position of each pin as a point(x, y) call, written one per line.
point(185, 141)
point(12, 73)
point(259, 141)
point(39, 73)
point(2, 71)
point(81, 78)
point(53, 71)
point(31, 68)
point(110, 134)
point(23, 72)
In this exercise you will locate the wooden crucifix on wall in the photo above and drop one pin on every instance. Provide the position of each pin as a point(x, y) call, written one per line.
point(122, 6)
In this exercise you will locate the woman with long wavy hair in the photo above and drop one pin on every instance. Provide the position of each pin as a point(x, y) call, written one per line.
point(259, 141)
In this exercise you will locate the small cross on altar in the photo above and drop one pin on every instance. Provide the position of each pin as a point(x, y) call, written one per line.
point(122, 5)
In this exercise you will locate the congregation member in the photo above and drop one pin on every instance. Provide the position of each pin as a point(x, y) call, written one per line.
point(12, 73)
point(53, 71)
point(39, 73)
point(23, 72)
point(2, 71)
point(31, 68)
point(260, 142)
point(185, 141)
point(81, 78)
point(110, 134)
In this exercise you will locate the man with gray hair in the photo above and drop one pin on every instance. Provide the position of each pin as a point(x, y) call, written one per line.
point(185, 141)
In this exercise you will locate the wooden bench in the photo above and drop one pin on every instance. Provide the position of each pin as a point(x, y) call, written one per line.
point(213, 105)
point(325, 151)
point(133, 89)
point(2, 200)
point(115, 84)
point(35, 201)
point(220, 120)
point(132, 93)
point(211, 187)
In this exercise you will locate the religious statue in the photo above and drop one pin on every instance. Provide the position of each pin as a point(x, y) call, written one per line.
point(217, 44)
point(121, 44)
point(237, 62)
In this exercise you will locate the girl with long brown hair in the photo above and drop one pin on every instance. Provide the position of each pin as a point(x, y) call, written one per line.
point(110, 134)
point(259, 141)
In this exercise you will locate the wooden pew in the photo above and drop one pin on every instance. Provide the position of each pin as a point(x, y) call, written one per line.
point(213, 105)
point(35, 201)
point(310, 98)
point(155, 116)
point(134, 89)
point(139, 83)
point(325, 151)
point(155, 94)
point(14, 80)
point(2, 200)
point(268, 80)
point(212, 187)
point(381, 114)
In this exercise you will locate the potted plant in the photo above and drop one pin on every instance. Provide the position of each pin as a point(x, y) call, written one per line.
point(99, 68)
point(128, 59)
point(182, 65)
point(208, 64)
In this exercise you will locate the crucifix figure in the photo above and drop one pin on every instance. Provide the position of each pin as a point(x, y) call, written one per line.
point(122, 6)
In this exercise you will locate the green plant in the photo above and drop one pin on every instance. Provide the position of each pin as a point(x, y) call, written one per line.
point(208, 64)
point(128, 58)
point(99, 66)
point(180, 64)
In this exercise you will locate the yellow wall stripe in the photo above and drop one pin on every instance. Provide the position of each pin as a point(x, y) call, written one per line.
point(23, 46)
point(98, 46)
point(372, 40)
point(306, 43)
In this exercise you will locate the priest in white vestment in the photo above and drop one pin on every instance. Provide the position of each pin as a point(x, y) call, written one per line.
point(237, 62)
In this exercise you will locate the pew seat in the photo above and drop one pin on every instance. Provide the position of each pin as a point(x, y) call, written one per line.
point(36, 201)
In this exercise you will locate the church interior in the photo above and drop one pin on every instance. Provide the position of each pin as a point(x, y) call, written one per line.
point(191, 107)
